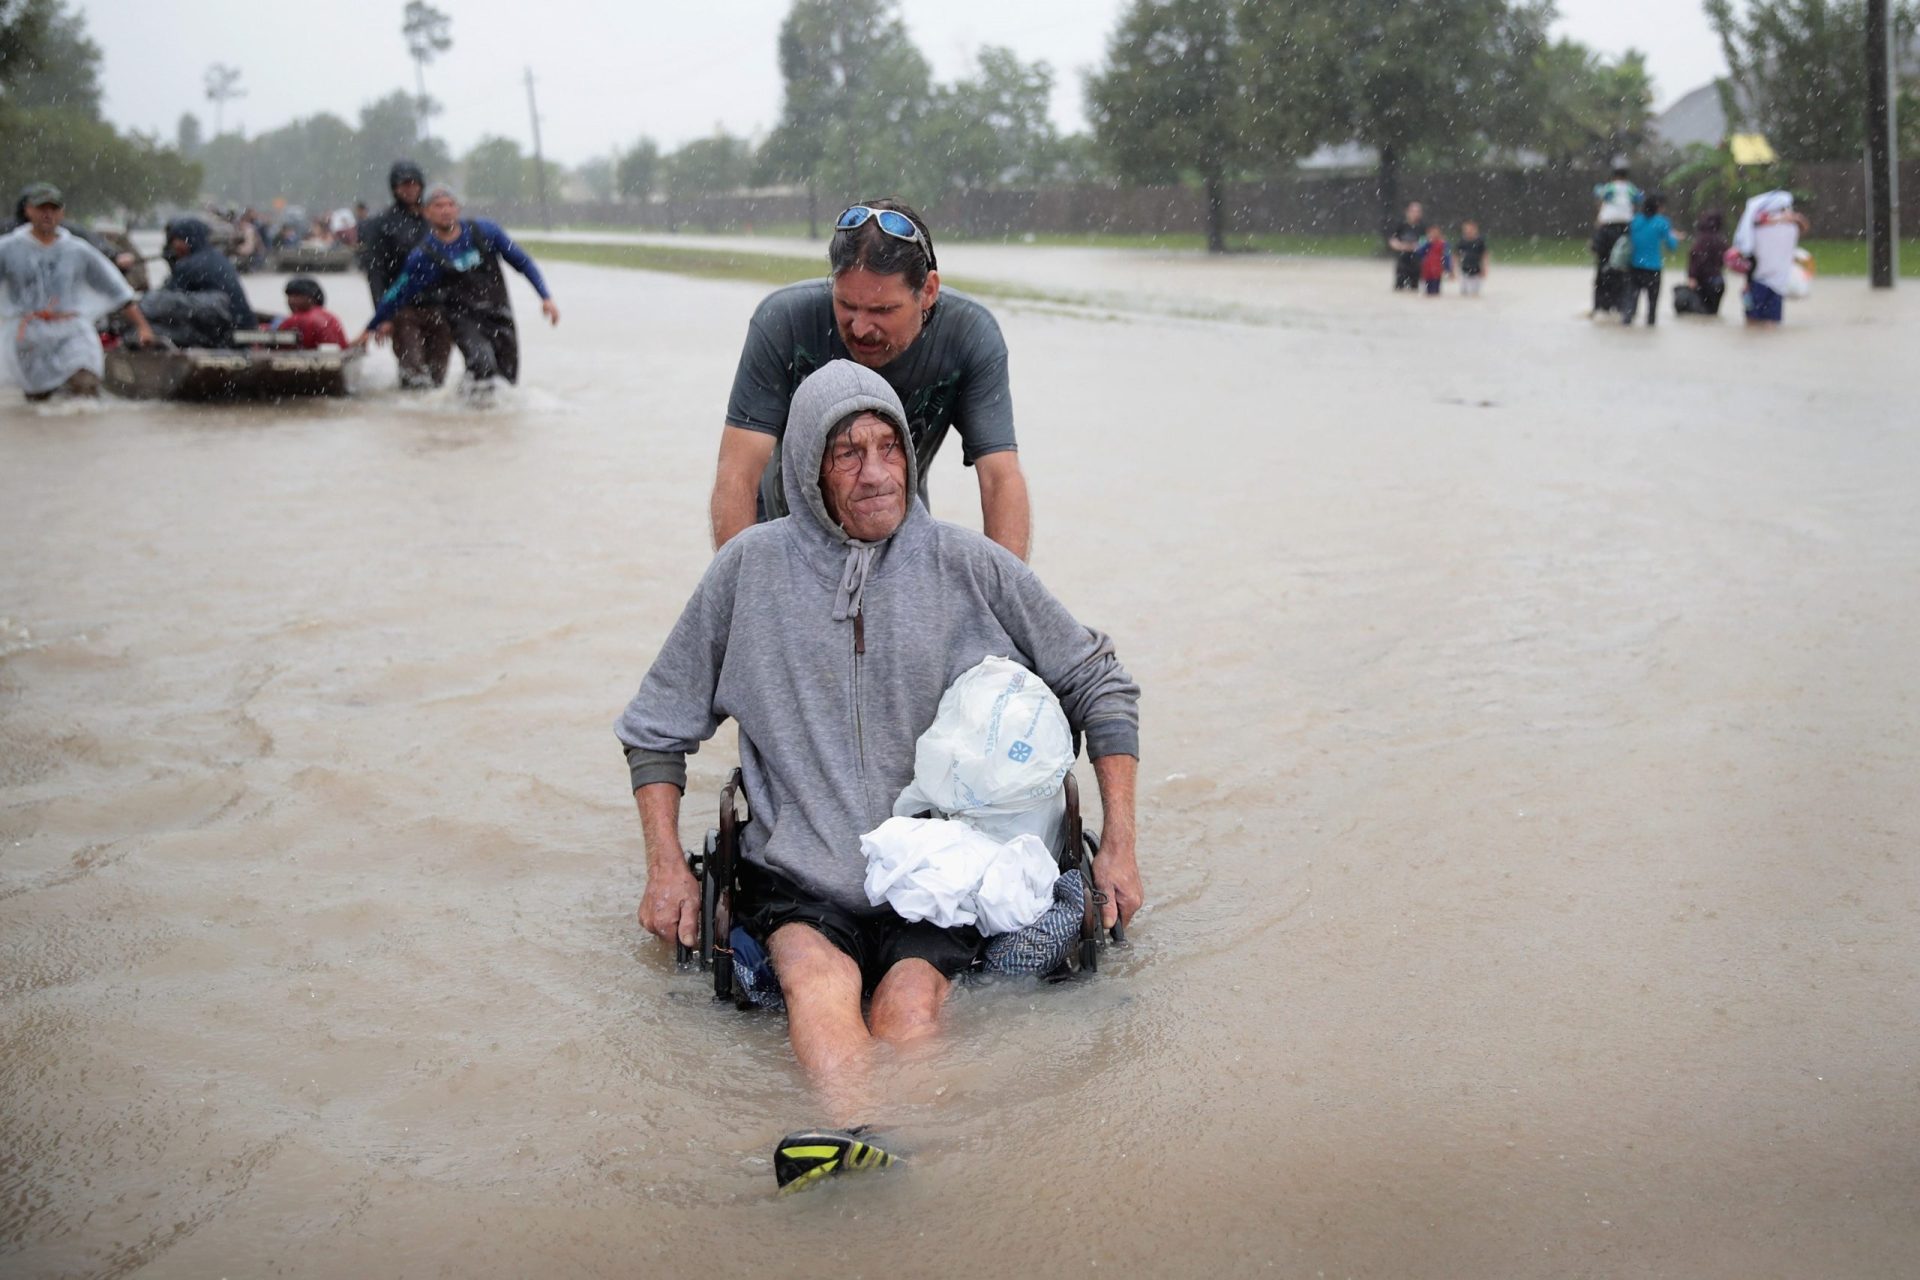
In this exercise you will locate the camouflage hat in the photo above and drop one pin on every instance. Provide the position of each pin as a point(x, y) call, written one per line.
point(42, 193)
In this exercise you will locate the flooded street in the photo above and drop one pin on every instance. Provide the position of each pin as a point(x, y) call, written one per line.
point(1531, 722)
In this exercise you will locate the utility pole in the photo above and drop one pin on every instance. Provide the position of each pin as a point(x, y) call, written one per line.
point(1883, 170)
point(539, 159)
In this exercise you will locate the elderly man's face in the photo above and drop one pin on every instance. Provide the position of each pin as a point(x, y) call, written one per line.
point(863, 478)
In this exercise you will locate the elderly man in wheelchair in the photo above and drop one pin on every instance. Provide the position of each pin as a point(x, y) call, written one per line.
point(829, 637)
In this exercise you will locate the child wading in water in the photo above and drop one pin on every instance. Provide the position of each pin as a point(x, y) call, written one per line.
point(1436, 261)
point(1473, 259)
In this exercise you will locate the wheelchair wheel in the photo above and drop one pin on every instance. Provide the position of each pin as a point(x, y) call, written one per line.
point(709, 890)
point(1090, 921)
point(721, 887)
point(1090, 924)
point(710, 951)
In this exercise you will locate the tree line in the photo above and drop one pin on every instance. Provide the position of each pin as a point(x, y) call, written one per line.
point(315, 163)
point(1198, 91)
point(1209, 92)
point(51, 128)
point(1202, 92)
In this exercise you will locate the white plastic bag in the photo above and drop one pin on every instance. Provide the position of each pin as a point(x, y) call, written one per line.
point(995, 756)
point(950, 874)
point(1800, 280)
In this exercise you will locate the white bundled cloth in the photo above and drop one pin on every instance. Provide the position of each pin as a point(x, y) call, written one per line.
point(945, 872)
point(993, 761)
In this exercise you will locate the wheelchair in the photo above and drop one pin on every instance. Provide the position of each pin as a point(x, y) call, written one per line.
point(716, 865)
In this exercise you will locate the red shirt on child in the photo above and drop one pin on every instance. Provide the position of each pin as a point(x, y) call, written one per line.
point(315, 325)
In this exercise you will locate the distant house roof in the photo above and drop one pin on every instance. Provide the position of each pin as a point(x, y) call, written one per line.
point(1696, 117)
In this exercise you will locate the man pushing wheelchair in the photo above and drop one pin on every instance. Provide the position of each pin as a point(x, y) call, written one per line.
point(829, 636)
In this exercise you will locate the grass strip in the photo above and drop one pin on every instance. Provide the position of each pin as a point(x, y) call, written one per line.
point(1831, 257)
point(759, 268)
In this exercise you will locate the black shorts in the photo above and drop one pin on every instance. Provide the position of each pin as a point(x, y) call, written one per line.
point(876, 943)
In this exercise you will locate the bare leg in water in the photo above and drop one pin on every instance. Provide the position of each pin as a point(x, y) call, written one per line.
point(834, 1042)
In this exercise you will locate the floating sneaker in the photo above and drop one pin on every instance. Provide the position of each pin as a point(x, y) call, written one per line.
point(813, 1155)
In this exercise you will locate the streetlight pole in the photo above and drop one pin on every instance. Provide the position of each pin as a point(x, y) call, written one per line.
point(1883, 173)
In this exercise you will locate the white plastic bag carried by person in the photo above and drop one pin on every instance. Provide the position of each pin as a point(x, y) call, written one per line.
point(948, 873)
point(995, 756)
point(1800, 281)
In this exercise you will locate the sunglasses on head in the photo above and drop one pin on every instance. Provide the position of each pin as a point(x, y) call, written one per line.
point(892, 222)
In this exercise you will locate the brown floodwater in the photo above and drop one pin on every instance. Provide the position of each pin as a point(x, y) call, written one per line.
point(1528, 809)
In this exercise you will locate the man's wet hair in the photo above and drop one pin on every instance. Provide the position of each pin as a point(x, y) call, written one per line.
point(869, 248)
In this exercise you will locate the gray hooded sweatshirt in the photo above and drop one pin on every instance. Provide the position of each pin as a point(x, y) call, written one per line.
point(831, 654)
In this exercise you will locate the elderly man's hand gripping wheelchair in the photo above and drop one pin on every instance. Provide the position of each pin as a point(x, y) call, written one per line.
point(717, 867)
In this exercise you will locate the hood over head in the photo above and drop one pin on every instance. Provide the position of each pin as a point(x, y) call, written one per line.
point(404, 171)
point(833, 393)
point(192, 230)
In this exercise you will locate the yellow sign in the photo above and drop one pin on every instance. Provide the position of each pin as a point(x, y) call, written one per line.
point(1751, 148)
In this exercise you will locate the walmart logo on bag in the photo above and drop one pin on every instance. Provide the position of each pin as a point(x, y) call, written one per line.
point(1019, 753)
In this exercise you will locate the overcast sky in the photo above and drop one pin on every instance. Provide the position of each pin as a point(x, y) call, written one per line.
point(608, 72)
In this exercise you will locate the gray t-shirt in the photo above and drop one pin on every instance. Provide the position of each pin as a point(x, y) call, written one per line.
point(954, 375)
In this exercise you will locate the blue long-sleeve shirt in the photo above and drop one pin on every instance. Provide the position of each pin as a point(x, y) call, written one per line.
point(425, 268)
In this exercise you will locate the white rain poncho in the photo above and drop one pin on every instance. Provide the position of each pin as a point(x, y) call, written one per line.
point(1769, 241)
point(50, 295)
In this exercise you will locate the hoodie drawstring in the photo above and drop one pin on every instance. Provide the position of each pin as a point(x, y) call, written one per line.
point(853, 581)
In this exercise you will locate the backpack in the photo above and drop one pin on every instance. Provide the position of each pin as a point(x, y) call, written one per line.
point(1620, 257)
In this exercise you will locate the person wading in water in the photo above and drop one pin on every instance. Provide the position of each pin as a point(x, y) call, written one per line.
point(459, 259)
